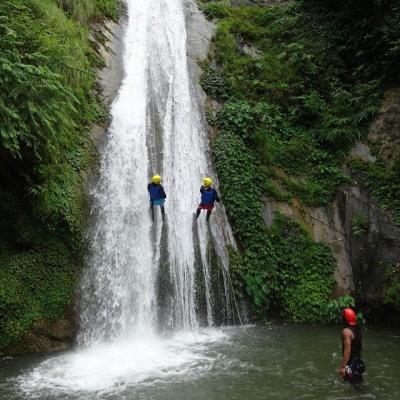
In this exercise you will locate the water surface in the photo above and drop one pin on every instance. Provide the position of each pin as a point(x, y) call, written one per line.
point(278, 361)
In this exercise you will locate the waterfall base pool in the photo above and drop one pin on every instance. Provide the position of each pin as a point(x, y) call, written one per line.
point(277, 361)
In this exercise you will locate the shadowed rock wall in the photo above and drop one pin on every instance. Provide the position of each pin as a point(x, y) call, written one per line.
point(362, 236)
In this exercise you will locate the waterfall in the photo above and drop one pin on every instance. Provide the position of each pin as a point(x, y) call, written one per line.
point(151, 291)
point(157, 127)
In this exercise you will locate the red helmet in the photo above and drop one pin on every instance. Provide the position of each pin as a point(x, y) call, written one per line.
point(350, 316)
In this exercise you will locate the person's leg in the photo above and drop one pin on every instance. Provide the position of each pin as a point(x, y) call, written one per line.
point(198, 212)
point(163, 213)
point(208, 215)
point(152, 210)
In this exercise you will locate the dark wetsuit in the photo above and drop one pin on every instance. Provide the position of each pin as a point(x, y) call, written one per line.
point(357, 367)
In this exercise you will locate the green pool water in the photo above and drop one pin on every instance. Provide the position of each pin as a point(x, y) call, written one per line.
point(275, 361)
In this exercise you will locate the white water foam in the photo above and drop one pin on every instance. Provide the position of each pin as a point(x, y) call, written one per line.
point(112, 368)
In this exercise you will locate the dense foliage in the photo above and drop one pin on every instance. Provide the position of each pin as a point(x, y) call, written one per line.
point(291, 90)
point(296, 286)
point(298, 85)
point(365, 34)
point(47, 100)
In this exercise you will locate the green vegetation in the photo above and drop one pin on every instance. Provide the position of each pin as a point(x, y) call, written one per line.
point(296, 286)
point(298, 85)
point(368, 43)
point(47, 101)
point(290, 97)
point(359, 225)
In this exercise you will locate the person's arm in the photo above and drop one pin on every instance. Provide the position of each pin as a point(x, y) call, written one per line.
point(217, 197)
point(201, 189)
point(347, 336)
point(163, 195)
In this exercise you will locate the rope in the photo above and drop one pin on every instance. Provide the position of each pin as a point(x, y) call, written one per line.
point(237, 309)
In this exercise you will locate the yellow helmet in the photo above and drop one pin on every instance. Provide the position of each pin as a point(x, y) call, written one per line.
point(156, 179)
point(207, 181)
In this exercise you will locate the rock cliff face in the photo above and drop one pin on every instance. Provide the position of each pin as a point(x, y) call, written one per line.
point(384, 133)
point(362, 236)
point(46, 336)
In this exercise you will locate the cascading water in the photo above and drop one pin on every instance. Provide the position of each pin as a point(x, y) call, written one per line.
point(157, 127)
point(118, 290)
point(155, 124)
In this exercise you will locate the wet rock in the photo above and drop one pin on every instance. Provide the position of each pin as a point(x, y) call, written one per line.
point(199, 34)
point(324, 225)
point(46, 336)
point(110, 76)
point(373, 243)
point(199, 30)
point(250, 51)
point(384, 132)
point(362, 150)
point(362, 237)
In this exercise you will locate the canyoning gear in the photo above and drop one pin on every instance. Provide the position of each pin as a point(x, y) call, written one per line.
point(158, 202)
point(355, 366)
point(350, 316)
point(354, 371)
point(208, 212)
point(207, 181)
point(157, 197)
point(356, 342)
point(208, 197)
point(156, 179)
point(206, 207)
point(163, 213)
point(156, 192)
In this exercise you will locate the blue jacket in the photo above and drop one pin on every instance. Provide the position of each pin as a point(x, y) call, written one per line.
point(156, 192)
point(208, 195)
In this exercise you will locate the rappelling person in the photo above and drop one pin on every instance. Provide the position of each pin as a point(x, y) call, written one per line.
point(351, 367)
point(208, 197)
point(157, 195)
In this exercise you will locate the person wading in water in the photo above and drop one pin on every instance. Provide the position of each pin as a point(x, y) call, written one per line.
point(351, 367)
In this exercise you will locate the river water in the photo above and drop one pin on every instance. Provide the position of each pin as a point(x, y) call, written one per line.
point(276, 361)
